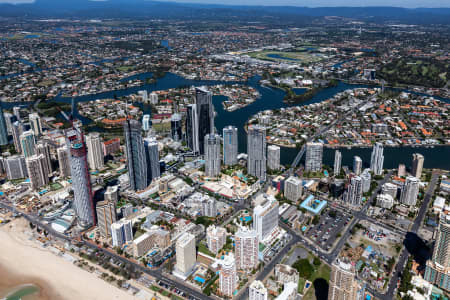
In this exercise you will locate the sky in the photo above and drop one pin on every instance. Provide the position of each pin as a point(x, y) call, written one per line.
point(309, 3)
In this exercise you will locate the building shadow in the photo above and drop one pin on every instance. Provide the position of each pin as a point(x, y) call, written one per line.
point(417, 248)
point(321, 289)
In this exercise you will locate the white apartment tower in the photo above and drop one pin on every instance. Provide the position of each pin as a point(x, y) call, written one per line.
point(265, 217)
point(293, 188)
point(357, 165)
point(228, 276)
point(354, 191)
point(410, 190)
point(377, 159)
point(185, 253)
point(417, 165)
point(246, 248)
point(230, 145)
point(121, 232)
point(337, 162)
point(257, 291)
point(216, 238)
point(35, 122)
point(42, 147)
point(343, 284)
point(273, 157)
point(256, 150)
point(95, 151)
point(36, 171)
point(212, 155)
point(209, 207)
point(313, 160)
point(63, 161)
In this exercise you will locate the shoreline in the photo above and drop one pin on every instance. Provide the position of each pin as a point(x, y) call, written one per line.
point(26, 262)
point(13, 282)
point(361, 146)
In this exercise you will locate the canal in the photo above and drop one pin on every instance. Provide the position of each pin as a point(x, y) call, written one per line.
point(436, 157)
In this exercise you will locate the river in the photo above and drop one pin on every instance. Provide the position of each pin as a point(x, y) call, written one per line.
point(437, 157)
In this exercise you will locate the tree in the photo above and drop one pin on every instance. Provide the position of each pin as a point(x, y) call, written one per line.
point(304, 268)
point(316, 261)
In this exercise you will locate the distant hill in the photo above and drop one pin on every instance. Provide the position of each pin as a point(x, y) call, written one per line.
point(166, 10)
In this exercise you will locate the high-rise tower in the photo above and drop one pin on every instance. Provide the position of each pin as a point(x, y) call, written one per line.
point(230, 145)
point(81, 180)
point(256, 150)
point(205, 114)
point(212, 155)
point(137, 169)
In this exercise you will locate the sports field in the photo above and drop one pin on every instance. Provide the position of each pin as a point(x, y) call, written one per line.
point(280, 56)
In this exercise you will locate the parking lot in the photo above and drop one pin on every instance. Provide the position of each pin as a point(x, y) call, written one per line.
point(331, 223)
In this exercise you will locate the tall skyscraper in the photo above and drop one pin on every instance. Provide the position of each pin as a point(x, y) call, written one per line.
point(265, 217)
point(354, 192)
point(366, 180)
point(186, 254)
point(17, 130)
point(36, 125)
point(146, 122)
point(273, 157)
point(246, 248)
point(192, 138)
point(357, 165)
point(257, 291)
point(16, 112)
point(137, 169)
point(401, 170)
point(437, 270)
point(152, 159)
point(293, 188)
point(106, 216)
point(36, 171)
point(205, 114)
point(230, 145)
point(154, 98)
point(417, 165)
point(209, 207)
point(175, 127)
point(63, 161)
point(343, 284)
point(256, 151)
point(337, 162)
point(216, 238)
point(27, 143)
point(81, 180)
point(227, 276)
point(313, 160)
point(377, 159)
point(15, 167)
point(95, 151)
point(410, 190)
point(121, 232)
point(3, 129)
point(42, 147)
point(212, 155)
point(390, 189)
point(9, 119)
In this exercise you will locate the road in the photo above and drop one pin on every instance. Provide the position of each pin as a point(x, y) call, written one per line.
point(155, 273)
point(399, 268)
point(320, 132)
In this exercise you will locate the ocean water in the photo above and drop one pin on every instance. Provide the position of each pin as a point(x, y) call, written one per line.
point(21, 291)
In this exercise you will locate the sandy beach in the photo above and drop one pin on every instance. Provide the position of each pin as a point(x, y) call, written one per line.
point(25, 262)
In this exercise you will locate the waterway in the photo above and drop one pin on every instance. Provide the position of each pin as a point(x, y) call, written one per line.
point(271, 98)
